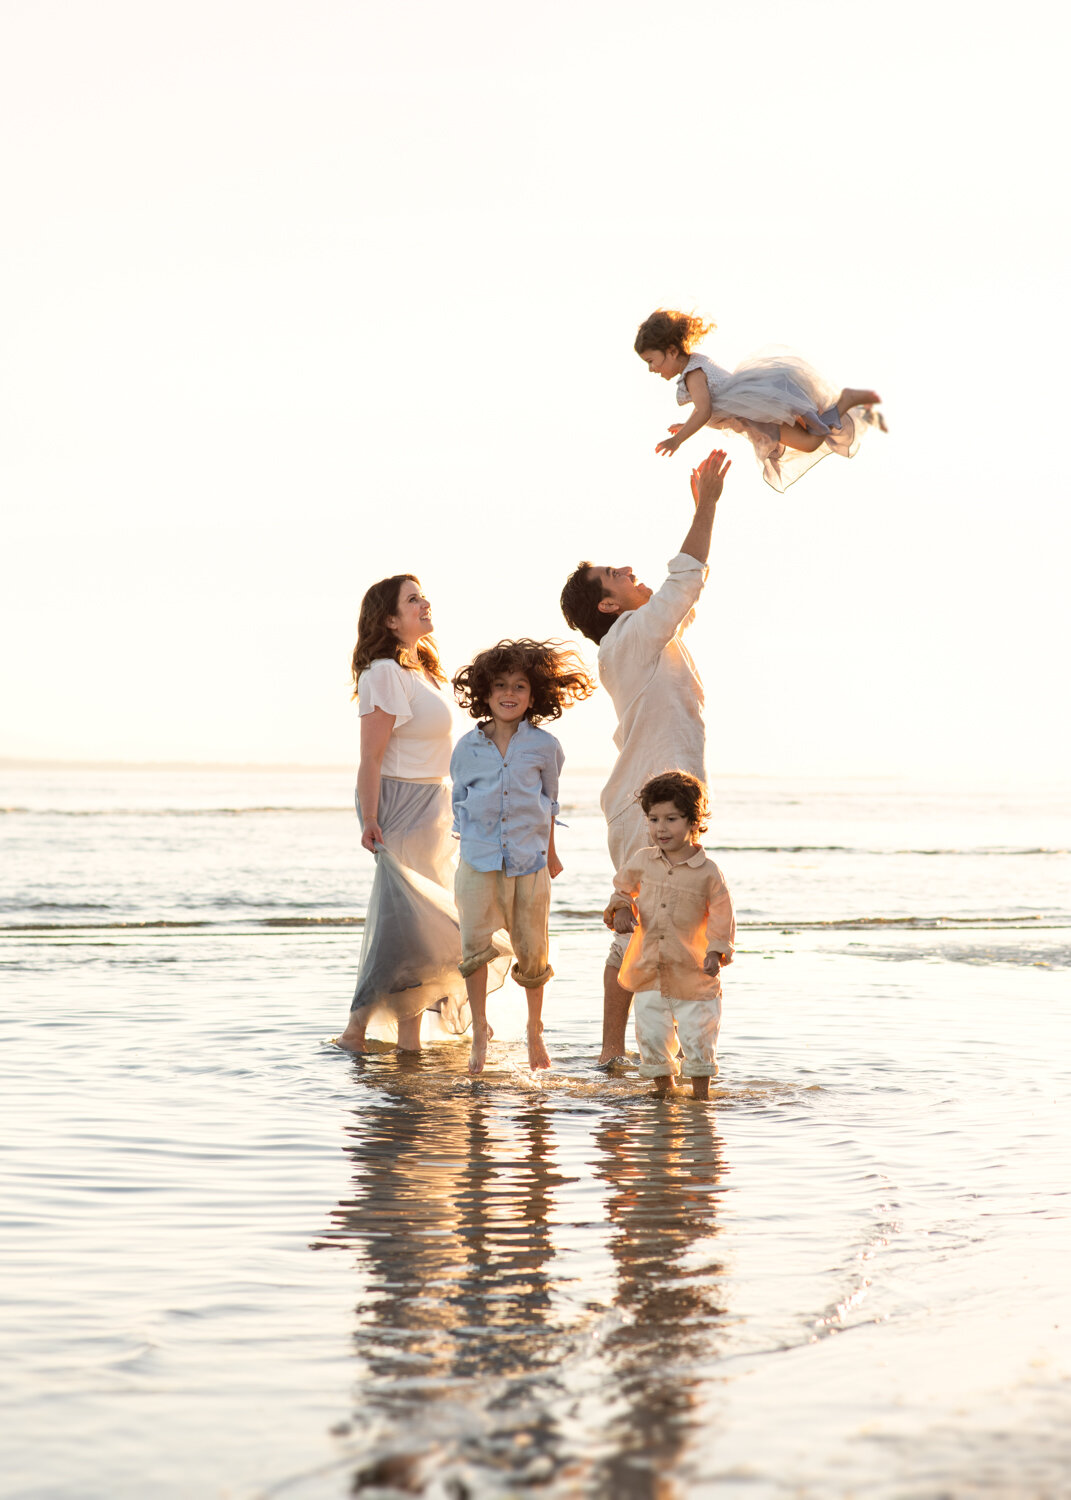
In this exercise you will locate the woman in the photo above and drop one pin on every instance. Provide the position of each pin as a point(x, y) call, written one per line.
point(411, 950)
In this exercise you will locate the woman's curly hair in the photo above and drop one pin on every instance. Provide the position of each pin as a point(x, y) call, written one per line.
point(555, 672)
point(687, 793)
point(667, 329)
point(376, 639)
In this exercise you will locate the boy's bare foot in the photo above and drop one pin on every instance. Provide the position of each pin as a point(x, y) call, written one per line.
point(663, 1087)
point(700, 1088)
point(538, 1056)
point(481, 1035)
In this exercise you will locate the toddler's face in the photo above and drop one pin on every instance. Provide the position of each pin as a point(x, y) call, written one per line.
point(669, 363)
point(510, 697)
point(670, 830)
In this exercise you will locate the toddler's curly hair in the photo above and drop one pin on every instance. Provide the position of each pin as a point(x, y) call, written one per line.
point(668, 329)
point(556, 673)
point(687, 793)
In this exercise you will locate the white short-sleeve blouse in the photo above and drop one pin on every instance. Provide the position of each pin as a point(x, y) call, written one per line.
point(419, 748)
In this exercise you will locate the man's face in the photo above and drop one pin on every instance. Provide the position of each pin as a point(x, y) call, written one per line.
point(620, 590)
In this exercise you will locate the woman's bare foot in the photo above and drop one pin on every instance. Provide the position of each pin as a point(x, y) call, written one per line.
point(538, 1056)
point(352, 1039)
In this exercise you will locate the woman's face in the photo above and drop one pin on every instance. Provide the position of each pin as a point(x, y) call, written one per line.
point(411, 620)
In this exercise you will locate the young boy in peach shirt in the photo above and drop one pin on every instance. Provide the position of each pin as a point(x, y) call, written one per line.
point(675, 902)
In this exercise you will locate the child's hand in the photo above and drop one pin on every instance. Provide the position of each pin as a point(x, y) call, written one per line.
point(669, 445)
point(619, 918)
point(554, 865)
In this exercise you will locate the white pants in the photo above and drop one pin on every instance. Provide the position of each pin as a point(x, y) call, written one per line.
point(662, 1022)
point(628, 832)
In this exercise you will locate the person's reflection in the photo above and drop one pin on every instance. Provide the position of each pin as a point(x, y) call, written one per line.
point(450, 1222)
point(663, 1165)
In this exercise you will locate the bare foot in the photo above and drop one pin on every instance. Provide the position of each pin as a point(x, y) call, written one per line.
point(481, 1035)
point(538, 1056)
point(663, 1087)
point(849, 398)
point(352, 1039)
point(700, 1088)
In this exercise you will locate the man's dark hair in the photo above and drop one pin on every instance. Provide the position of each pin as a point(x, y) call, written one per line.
point(581, 597)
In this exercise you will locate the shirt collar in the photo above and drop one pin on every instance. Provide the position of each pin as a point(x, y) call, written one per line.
point(695, 861)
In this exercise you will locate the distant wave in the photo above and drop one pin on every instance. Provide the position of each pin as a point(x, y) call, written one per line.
point(572, 919)
point(285, 810)
point(163, 812)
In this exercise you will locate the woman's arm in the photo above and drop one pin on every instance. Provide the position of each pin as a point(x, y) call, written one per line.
point(376, 730)
point(696, 383)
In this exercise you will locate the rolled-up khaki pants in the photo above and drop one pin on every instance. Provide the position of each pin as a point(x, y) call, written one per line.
point(490, 899)
point(625, 834)
point(661, 1022)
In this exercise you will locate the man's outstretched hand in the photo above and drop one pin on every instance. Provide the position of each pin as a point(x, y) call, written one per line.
point(709, 477)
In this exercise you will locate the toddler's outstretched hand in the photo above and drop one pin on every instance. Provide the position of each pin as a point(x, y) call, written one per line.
point(671, 444)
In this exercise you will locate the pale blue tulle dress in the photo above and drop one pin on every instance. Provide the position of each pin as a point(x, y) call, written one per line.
point(774, 386)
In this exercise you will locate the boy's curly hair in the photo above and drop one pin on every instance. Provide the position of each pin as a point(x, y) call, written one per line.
point(687, 793)
point(556, 673)
point(668, 329)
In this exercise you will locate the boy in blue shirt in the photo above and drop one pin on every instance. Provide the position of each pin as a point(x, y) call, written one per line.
point(505, 792)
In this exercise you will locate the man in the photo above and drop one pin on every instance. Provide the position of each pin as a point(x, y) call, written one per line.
point(656, 692)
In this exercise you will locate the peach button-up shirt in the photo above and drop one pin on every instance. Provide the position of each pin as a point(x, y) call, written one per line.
point(684, 912)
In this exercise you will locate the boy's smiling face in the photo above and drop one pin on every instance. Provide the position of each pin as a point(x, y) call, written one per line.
point(669, 828)
point(510, 697)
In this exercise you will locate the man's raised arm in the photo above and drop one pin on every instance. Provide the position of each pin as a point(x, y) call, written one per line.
point(707, 482)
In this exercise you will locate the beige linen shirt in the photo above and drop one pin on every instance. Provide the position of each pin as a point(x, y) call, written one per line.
point(656, 691)
point(685, 912)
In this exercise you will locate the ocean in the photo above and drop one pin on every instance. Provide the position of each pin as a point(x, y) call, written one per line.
point(239, 1263)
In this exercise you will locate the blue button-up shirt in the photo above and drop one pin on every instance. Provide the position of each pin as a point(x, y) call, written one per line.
point(504, 804)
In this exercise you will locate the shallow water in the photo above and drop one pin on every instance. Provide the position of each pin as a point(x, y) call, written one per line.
point(239, 1263)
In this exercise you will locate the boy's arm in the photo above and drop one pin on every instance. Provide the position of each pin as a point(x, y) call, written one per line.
point(549, 772)
point(620, 908)
point(721, 925)
point(554, 864)
point(699, 391)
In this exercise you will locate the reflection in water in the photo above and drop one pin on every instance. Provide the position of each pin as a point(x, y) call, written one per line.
point(518, 1325)
point(662, 1165)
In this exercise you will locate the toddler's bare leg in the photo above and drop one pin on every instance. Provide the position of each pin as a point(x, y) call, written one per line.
point(795, 437)
point(476, 990)
point(538, 1057)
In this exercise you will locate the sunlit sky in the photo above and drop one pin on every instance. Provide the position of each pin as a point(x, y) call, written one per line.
point(295, 296)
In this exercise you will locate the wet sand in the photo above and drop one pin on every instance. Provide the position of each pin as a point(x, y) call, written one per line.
point(242, 1264)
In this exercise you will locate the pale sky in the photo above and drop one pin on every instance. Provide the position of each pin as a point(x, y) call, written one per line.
point(295, 296)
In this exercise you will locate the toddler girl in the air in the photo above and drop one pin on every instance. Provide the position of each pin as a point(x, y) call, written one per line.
point(791, 415)
point(505, 778)
point(677, 905)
